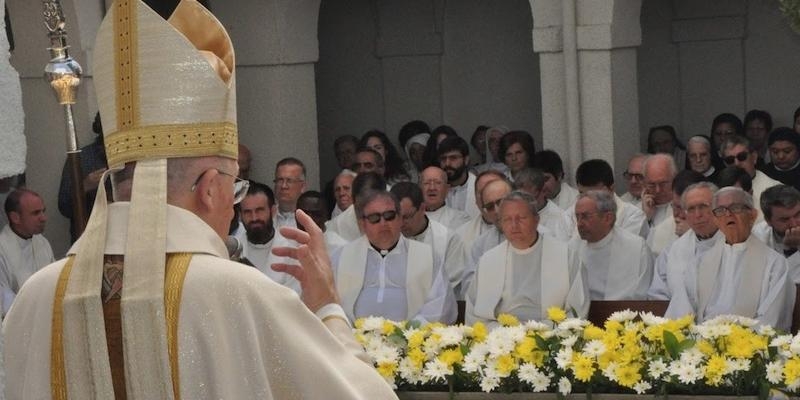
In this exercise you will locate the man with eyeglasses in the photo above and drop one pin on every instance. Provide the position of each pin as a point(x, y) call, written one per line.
point(527, 273)
point(780, 229)
point(635, 180)
point(618, 264)
point(384, 274)
point(479, 223)
point(659, 171)
point(597, 175)
point(737, 151)
point(433, 181)
point(448, 249)
point(699, 154)
point(453, 154)
point(492, 196)
point(290, 183)
point(690, 247)
point(671, 229)
point(739, 275)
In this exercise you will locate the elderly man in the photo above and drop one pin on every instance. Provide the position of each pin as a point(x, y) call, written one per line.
point(736, 151)
point(698, 152)
point(780, 229)
point(618, 264)
point(433, 181)
point(290, 183)
point(448, 249)
point(453, 154)
point(671, 229)
point(384, 274)
point(556, 189)
point(346, 223)
point(551, 217)
point(343, 191)
point(23, 249)
point(659, 171)
point(690, 247)
point(527, 273)
point(492, 195)
point(482, 222)
point(740, 275)
point(784, 150)
point(634, 179)
point(182, 321)
point(597, 175)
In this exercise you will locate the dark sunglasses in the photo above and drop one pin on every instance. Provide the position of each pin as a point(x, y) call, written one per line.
point(729, 160)
point(376, 217)
point(490, 206)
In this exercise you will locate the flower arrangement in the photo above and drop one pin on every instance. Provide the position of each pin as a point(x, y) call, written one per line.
point(632, 353)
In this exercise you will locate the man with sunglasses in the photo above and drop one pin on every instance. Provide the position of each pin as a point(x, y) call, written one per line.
point(346, 224)
point(384, 274)
point(739, 275)
point(448, 249)
point(737, 151)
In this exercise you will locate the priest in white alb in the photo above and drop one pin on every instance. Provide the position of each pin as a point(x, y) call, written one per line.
point(668, 231)
point(659, 170)
point(433, 181)
point(482, 222)
point(346, 224)
point(147, 304)
point(690, 247)
point(618, 264)
point(492, 195)
point(551, 217)
point(453, 155)
point(384, 274)
point(527, 273)
point(780, 229)
point(740, 275)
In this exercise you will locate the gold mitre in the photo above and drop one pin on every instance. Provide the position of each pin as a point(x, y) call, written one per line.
point(165, 88)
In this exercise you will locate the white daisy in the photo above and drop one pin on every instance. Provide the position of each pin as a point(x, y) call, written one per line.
point(564, 357)
point(564, 386)
point(657, 368)
point(594, 348)
point(642, 387)
point(449, 335)
point(622, 316)
point(436, 370)
point(775, 372)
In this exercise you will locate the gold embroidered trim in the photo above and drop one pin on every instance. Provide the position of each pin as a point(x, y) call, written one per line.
point(172, 140)
point(58, 375)
point(177, 265)
point(125, 56)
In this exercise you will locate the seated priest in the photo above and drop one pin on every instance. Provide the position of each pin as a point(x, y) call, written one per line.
point(346, 224)
point(618, 264)
point(527, 273)
point(492, 195)
point(672, 227)
point(384, 274)
point(479, 223)
point(433, 182)
point(780, 229)
point(689, 247)
point(740, 275)
point(551, 216)
point(448, 249)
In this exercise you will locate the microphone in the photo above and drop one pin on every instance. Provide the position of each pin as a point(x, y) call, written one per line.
point(234, 247)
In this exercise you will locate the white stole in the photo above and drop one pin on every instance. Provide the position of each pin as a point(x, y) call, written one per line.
point(555, 283)
point(749, 288)
point(353, 265)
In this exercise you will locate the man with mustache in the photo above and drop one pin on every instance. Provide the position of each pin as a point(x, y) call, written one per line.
point(739, 275)
point(453, 153)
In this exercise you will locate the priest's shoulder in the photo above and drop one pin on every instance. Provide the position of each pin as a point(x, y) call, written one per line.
point(209, 271)
point(41, 286)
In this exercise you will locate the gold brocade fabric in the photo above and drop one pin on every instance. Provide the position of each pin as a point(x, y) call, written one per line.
point(176, 267)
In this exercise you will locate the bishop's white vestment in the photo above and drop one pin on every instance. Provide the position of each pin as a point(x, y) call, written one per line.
point(618, 266)
point(449, 216)
point(747, 279)
point(239, 334)
point(674, 260)
point(525, 283)
point(19, 259)
point(551, 216)
point(448, 252)
point(403, 284)
point(462, 197)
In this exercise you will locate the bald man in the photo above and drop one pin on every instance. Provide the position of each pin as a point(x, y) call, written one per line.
point(433, 182)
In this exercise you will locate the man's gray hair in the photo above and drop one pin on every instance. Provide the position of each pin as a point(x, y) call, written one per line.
point(699, 185)
point(347, 172)
point(525, 197)
point(660, 157)
point(779, 195)
point(529, 176)
point(700, 139)
point(740, 195)
point(603, 200)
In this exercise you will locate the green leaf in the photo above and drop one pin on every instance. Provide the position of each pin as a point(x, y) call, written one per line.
point(685, 345)
point(540, 343)
point(671, 344)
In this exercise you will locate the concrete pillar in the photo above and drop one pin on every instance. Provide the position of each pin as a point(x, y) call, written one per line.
point(587, 56)
point(276, 48)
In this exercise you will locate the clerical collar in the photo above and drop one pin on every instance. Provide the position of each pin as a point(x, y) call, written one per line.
point(788, 169)
point(709, 171)
point(421, 233)
point(528, 249)
point(384, 252)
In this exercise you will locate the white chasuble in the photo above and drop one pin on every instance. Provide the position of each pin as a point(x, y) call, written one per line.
point(448, 216)
point(618, 267)
point(682, 254)
point(528, 281)
point(448, 253)
point(766, 234)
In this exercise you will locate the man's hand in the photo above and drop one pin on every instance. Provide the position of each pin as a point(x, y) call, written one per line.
point(314, 272)
point(648, 204)
point(791, 240)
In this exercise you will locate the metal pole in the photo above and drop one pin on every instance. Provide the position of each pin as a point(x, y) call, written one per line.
point(63, 74)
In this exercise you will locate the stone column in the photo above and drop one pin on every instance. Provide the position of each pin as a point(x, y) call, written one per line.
point(587, 55)
point(276, 48)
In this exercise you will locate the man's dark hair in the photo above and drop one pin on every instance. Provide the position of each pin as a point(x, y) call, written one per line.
point(367, 181)
point(444, 129)
point(684, 179)
point(410, 129)
point(291, 161)
point(258, 187)
point(524, 139)
point(13, 200)
point(730, 176)
point(378, 156)
point(796, 114)
point(313, 194)
point(593, 172)
point(784, 134)
point(408, 190)
point(393, 163)
point(453, 143)
point(370, 195)
point(345, 139)
point(778, 195)
point(729, 119)
point(473, 140)
point(759, 115)
point(549, 162)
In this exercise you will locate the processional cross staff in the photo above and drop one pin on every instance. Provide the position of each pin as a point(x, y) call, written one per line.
point(63, 74)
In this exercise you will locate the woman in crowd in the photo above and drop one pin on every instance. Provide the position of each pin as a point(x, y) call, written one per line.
point(517, 151)
point(664, 139)
point(393, 165)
